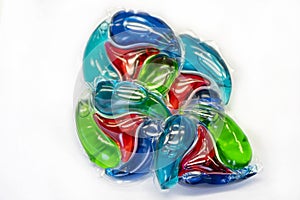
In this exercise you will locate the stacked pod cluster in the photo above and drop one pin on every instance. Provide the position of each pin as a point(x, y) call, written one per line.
point(156, 104)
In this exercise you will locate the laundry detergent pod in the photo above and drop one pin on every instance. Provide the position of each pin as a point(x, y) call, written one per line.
point(154, 103)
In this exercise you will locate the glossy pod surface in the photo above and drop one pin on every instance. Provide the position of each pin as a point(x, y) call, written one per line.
point(101, 149)
point(156, 103)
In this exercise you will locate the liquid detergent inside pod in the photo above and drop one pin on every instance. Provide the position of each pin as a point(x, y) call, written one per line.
point(153, 103)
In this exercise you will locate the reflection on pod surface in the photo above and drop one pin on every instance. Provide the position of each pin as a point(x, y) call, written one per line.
point(140, 163)
point(129, 61)
point(158, 73)
point(117, 98)
point(178, 136)
point(101, 150)
point(95, 61)
point(202, 58)
point(137, 29)
point(232, 144)
point(202, 160)
point(184, 86)
point(122, 130)
point(197, 178)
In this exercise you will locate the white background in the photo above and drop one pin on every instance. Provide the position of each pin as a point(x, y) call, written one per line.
point(41, 47)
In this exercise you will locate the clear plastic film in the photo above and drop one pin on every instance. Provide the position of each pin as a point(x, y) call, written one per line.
point(150, 101)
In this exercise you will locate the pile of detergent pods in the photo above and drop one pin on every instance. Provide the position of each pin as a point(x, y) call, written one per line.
point(153, 103)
